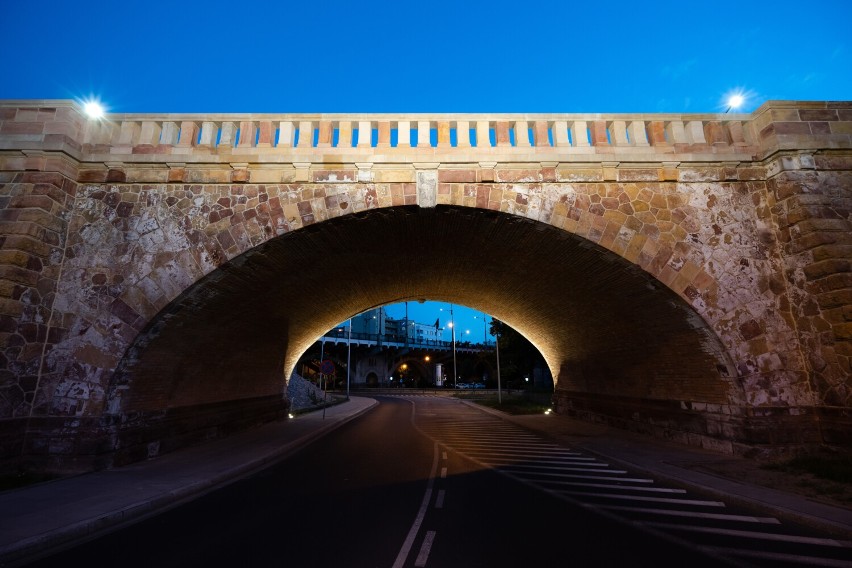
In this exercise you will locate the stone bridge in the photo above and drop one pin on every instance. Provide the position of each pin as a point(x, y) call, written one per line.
point(687, 276)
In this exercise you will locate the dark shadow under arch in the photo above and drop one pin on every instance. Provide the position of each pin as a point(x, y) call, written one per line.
point(605, 327)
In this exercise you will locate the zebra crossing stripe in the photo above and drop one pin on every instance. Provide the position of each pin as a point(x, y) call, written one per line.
point(693, 514)
point(625, 497)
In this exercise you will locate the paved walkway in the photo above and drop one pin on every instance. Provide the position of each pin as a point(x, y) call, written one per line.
point(49, 515)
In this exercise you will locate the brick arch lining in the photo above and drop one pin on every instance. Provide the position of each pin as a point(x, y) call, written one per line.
point(606, 328)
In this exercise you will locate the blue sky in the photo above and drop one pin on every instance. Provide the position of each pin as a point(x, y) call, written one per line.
point(439, 56)
point(338, 56)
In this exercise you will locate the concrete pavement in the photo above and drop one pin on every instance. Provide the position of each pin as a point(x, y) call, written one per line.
point(45, 517)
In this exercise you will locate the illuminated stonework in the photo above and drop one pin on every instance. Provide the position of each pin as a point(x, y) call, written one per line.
point(683, 275)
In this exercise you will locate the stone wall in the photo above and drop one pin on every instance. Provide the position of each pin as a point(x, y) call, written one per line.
point(683, 276)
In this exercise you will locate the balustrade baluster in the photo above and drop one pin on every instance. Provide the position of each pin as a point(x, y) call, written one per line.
point(636, 131)
point(695, 132)
point(324, 137)
point(714, 133)
point(209, 132)
point(266, 135)
point(657, 133)
point(501, 131)
point(169, 135)
point(306, 134)
point(737, 133)
point(384, 134)
point(443, 134)
point(228, 137)
point(483, 134)
point(365, 134)
point(423, 134)
point(344, 134)
point(248, 132)
point(188, 134)
point(286, 134)
point(128, 133)
point(560, 133)
point(403, 134)
point(522, 134)
point(540, 133)
point(676, 132)
point(618, 133)
point(579, 133)
point(462, 134)
point(598, 131)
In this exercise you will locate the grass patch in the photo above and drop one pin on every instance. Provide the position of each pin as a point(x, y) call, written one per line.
point(510, 404)
point(832, 468)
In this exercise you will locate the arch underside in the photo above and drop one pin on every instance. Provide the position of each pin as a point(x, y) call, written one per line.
point(605, 327)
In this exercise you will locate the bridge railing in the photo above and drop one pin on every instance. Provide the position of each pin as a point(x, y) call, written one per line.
point(338, 336)
point(176, 134)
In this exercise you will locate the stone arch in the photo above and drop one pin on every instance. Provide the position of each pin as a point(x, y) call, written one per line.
point(372, 379)
point(230, 339)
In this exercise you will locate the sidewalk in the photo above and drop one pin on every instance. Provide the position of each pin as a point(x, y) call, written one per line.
point(47, 516)
point(44, 517)
point(683, 465)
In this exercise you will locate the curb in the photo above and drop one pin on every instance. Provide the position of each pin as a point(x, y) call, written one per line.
point(36, 547)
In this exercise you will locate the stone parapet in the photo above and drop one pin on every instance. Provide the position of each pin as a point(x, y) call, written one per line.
point(60, 125)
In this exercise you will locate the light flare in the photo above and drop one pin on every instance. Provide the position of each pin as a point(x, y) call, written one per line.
point(94, 109)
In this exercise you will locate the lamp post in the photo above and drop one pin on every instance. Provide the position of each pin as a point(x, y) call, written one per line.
point(348, 358)
point(453, 330)
point(497, 348)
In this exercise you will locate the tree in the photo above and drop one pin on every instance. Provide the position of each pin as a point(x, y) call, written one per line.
point(518, 356)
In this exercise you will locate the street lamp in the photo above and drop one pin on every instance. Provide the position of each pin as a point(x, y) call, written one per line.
point(94, 109)
point(348, 357)
point(484, 329)
point(453, 329)
point(735, 101)
point(497, 354)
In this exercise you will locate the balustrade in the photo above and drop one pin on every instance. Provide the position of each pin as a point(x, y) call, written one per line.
point(132, 135)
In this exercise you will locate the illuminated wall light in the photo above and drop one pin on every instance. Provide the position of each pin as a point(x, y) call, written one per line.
point(94, 109)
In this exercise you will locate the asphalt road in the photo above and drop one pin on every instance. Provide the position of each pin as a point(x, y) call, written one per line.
point(382, 491)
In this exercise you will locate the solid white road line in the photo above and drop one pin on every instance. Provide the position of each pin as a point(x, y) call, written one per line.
point(425, 548)
point(418, 520)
